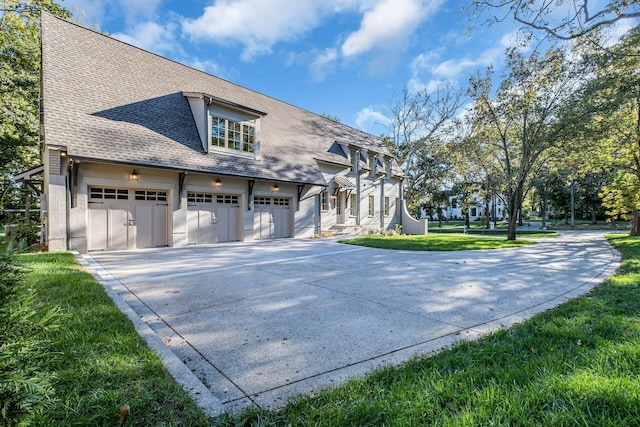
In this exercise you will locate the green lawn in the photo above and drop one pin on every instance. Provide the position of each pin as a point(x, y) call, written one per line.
point(435, 242)
point(100, 361)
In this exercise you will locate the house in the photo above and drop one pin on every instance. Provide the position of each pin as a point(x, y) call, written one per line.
point(477, 208)
point(139, 151)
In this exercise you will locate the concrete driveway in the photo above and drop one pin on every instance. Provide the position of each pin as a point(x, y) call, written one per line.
point(259, 322)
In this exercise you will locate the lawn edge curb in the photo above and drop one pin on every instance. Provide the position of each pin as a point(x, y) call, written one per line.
point(202, 396)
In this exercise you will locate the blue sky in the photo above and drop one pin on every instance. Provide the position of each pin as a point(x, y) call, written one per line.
point(346, 58)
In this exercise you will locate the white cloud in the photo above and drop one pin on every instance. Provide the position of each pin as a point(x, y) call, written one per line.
point(86, 12)
point(455, 67)
point(134, 10)
point(617, 31)
point(206, 66)
point(257, 24)
point(387, 23)
point(368, 117)
point(151, 36)
point(321, 65)
point(415, 85)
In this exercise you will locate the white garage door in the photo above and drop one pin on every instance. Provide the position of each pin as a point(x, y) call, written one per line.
point(212, 218)
point(273, 217)
point(121, 218)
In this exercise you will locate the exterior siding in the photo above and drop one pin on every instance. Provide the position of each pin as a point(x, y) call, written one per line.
point(113, 107)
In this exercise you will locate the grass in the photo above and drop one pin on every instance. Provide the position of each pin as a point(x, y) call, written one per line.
point(498, 232)
point(587, 225)
point(100, 361)
point(578, 364)
point(479, 228)
point(435, 242)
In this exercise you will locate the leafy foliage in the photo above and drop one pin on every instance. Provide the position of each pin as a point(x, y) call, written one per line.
point(617, 89)
point(20, 88)
point(20, 77)
point(23, 236)
point(25, 349)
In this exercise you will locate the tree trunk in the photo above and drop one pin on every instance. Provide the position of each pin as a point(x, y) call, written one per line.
point(543, 211)
point(486, 212)
point(573, 202)
point(635, 223)
point(594, 215)
point(512, 207)
point(520, 223)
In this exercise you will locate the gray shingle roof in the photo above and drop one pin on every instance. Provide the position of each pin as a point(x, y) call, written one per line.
point(106, 100)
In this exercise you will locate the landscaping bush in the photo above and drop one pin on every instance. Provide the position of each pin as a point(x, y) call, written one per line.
point(25, 384)
point(23, 237)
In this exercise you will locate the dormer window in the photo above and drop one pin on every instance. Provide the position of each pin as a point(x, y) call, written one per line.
point(225, 127)
point(239, 136)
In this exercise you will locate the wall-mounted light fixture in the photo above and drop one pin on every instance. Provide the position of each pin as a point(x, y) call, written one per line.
point(133, 176)
point(275, 188)
point(217, 183)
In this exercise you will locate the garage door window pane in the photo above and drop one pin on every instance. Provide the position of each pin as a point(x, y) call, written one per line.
point(96, 193)
point(197, 197)
point(227, 199)
point(108, 193)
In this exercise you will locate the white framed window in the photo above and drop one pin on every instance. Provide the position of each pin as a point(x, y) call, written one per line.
point(324, 201)
point(232, 135)
point(339, 205)
point(386, 206)
point(372, 206)
point(352, 205)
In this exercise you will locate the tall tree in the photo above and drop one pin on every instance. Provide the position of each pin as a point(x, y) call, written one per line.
point(20, 82)
point(535, 107)
point(561, 19)
point(617, 90)
point(419, 125)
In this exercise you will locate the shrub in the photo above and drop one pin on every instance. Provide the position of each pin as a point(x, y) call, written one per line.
point(23, 237)
point(25, 384)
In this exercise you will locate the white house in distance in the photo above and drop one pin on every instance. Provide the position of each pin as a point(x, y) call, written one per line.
point(139, 151)
point(476, 210)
